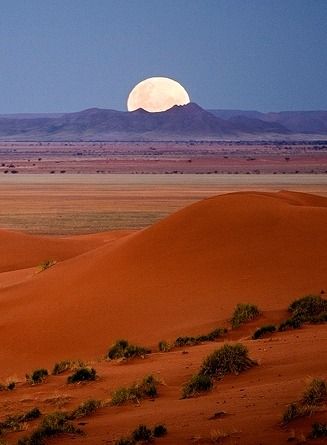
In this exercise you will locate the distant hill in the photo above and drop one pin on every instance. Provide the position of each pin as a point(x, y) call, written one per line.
point(179, 123)
point(305, 122)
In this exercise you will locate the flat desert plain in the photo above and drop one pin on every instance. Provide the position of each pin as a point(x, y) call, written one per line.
point(152, 258)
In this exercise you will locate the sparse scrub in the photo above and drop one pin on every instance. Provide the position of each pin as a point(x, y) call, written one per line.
point(52, 425)
point(46, 264)
point(85, 409)
point(316, 393)
point(307, 307)
point(142, 434)
point(125, 441)
point(230, 359)
point(191, 341)
point(318, 430)
point(10, 386)
point(244, 312)
point(122, 349)
point(290, 323)
point(198, 383)
point(266, 329)
point(37, 376)
point(66, 365)
point(82, 375)
point(159, 430)
point(185, 341)
point(313, 396)
point(15, 423)
point(147, 388)
point(164, 346)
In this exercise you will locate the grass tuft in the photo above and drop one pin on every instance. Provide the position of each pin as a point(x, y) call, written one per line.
point(66, 365)
point(316, 393)
point(266, 329)
point(85, 409)
point(142, 434)
point(243, 313)
point(82, 375)
point(318, 430)
point(122, 349)
point(230, 359)
point(159, 430)
point(197, 383)
point(37, 376)
point(147, 388)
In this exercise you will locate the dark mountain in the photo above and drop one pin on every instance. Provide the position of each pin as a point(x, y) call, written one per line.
point(180, 122)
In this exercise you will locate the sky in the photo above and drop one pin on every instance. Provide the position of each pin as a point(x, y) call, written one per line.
point(68, 55)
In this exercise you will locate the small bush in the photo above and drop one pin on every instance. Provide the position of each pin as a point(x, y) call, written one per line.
point(267, 329)
point(230, 359)
point(122, 349)
point(138, 391)
point(307, 307)
point(46, 264)
point(244, 313)
point(293, 411)
point(316, 393)
point(14, 423)
point(159, 430)
point(142, 434)
point(85, 409)
point(319, 319)
point(164, 346)
point(82, 375)
point(11, 386)
point(66, 365)
point(198, 383)
point(37, 376)
point(290, 323)
point(213, 335)
point(125, 441)
point(185, 341)
point(318, 430)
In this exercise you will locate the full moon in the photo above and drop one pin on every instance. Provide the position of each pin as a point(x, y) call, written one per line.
point(157, 94)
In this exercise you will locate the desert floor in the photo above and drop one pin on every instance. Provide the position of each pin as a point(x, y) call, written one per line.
point(218, 240)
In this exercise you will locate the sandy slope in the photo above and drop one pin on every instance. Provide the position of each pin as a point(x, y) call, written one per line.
point(182, 275)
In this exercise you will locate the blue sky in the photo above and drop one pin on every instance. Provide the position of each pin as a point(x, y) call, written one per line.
point(67, 55)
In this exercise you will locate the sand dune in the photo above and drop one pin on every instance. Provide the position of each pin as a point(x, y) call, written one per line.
point(180, 276)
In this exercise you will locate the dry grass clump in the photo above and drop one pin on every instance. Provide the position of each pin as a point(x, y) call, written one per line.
point(16, 423)
point(244, 312)
point(66, 365)
point(264, 330)
point(46, 264)
point(313, 396)
point(122, 349)
point(37, 376)
point(143, 434)
point(308, 309)
point(186, 340)
point(9, 386)
point(147, 388)
point(318, 430)
point(229, 359)
point(198, 383)
point(51, 425)
point(83, 374)
point(85, 409)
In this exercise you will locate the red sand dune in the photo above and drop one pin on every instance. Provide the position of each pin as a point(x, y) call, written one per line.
point(180, 276)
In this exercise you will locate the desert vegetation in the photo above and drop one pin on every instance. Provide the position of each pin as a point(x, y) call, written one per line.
point(318, 431)
point(46, 264)
point(82, 375)
point(37, 376)
point(308, 309)
point(143, 434)
point(16, 423)
point(229, 359)
point(66, 365)
point(147, 388)
point(243, 313)
point(264, 330)
point(314, 395)
point(182, 341)
point(85, 409)
point(122, 349)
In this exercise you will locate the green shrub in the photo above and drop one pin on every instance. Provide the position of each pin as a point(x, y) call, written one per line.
point(13, 423)
point(82, 375)
point(230, 359)
point(37, 376)
point(318, 430)
point(164, 346)
point(138, 391)
point(316, 393)
point(142, 434)
point(198, 383)
point(185, 341)
point(295, 410)
point(213, 335)
point(307, 307)
point(159, 430)
point(243, 313)
point(266, 329)
point(66, 365)
point(290, 323)
point(122, 349)
point(85, 409)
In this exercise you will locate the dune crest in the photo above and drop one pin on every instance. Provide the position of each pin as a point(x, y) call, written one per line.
point(187, 271)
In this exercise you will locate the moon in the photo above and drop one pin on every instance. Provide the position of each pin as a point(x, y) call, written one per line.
point(157, 94)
